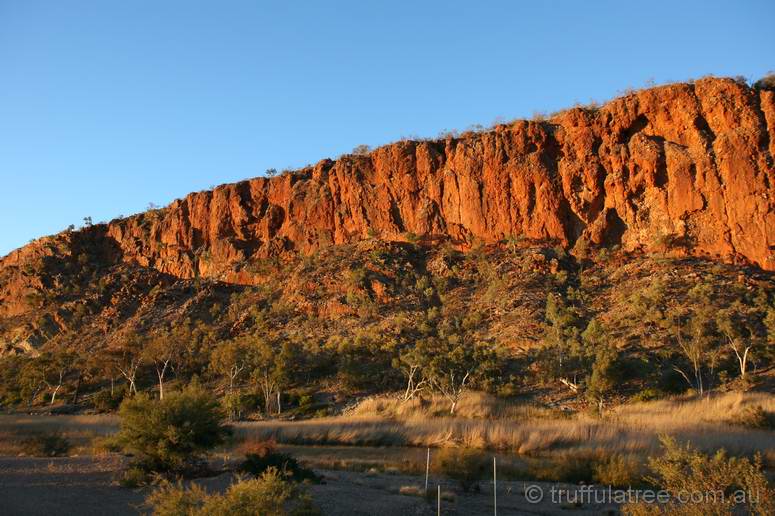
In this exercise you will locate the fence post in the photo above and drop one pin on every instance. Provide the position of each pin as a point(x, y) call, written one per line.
point(438, 500)
point(494, 487)
point(427, 469)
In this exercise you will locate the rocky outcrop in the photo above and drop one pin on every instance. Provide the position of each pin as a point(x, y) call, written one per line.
point(686, 165)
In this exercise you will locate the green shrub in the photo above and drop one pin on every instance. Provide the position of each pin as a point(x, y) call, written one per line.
point(49, 444)
point(269, 495)
point(614, 470)
point(754, 417)
point(648, 394)
point(465, 465)
point(174, 433)
point(617, 471)
point(104, 401)
point(571, 468)
point(305, 402)
point(237, 404)
point(133, 477)
point(106, 444)
point(605, 375)
point(262, 456)
point(177, 500)
point(683, 469)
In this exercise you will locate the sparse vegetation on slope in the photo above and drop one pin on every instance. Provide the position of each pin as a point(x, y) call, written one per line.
point(380, 317)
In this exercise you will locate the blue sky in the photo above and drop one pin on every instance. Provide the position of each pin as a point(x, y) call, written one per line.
point(106, 106)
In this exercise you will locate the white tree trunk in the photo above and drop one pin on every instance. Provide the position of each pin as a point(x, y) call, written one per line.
point(58, 386)
point(54, 394)
point(160, 373)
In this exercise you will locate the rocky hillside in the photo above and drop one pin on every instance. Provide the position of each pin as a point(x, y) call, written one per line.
point(684, 169)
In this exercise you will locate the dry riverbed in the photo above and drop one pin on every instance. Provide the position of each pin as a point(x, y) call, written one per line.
point(373, 462)
point(86, 486)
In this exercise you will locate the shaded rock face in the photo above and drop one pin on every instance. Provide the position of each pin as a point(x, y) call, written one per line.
point(687, 164)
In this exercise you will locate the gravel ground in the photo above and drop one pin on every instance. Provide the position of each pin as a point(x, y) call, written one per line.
point(72, 485)
point(86, 486)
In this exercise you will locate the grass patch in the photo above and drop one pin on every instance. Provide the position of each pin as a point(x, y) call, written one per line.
point(49, 444)
point(628, 429)
point(82, 432)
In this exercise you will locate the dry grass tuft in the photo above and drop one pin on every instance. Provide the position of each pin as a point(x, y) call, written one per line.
point(411, 490)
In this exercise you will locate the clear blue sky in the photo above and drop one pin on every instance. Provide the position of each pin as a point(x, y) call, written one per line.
point(106, 106)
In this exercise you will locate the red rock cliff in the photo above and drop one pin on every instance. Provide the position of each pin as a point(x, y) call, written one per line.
point(687, 163)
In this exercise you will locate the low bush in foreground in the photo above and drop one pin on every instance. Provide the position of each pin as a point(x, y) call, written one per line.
point(172, 434)
point(48, 444)
point(262, 456)
point(268, 495)
point(618, 471)
point(702, 485)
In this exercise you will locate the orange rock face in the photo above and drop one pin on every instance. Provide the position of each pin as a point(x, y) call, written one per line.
point(691, 164)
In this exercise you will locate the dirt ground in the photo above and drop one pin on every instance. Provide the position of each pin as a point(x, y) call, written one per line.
point(86, 486)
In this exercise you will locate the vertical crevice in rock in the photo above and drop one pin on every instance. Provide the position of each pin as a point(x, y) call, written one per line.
point(765, 141)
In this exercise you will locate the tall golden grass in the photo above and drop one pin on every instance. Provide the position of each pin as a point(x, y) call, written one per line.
point(486, 423)
point(473, 405)
point(481, 422)
point(80, 431)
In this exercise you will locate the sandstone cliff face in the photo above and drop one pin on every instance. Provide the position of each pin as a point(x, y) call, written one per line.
point(687, 164)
